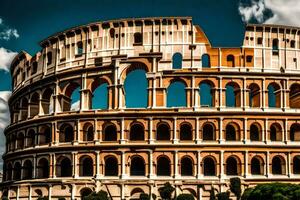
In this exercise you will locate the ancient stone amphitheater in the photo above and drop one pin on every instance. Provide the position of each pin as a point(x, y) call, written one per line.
point(208, 113)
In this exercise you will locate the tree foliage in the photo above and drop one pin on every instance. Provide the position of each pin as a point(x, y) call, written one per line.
point(223, 196)
point(185, 197)
point(101, 195)
point(166, 191)
point(212, 195)
point(235, 187)
point(144, 196)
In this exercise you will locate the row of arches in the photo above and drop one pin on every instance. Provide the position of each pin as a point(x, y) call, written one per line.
point(137, 131)
point(137, 167)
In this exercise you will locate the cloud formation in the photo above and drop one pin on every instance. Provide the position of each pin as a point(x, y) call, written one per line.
point(6, 32)
point(285, 12)
point(6, 56)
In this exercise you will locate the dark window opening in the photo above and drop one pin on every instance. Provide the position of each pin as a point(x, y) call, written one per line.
point(163, 132)
point(163, 167)
point(138, 38)
point(209, 168)
point(110, 133)
point(137, 132)
point(111, 167)
point(49, 58)
point(186, 167)
point(186, 132)
point(137, 167)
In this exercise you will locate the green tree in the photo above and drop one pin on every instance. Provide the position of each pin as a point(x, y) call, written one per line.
point(223, 196)
point(246, 193)
point(212, 194)
point(235, 187)
point(185, 197)
point(144, 196)
point(4, 198)
point(43, 198)
point(101, 195)
point(166, 191)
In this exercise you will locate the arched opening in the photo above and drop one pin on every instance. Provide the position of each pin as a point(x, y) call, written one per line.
point(64, 168)
point(111, 166)
point(17, 171)
point(257, 166)
point(275, 45)
point(255, 133)
point(136, 193)
point(100, 95)
point(24, 109)
point(209, 167)
point(110, 133)
point(9, 172)
point(177, 61)
point(208, 133)
point(47, 101)
point(296, 165)
point(72, 100)
point(43, 168)
point(275, 132)
point(233, 95)
point(137, 166)
point(231, 133)
point(274, 96)
point(232, 166)
point(176, 95)
point(136, 95)
point(186, 132)
point(295, 132)
point(138, 38)
point(230, 61)
point(27, 169)
point(66, 133)
point(186, 166)
point(84, 192)
point(137, 132)
point(30, 138)
point(278, 165)
point(295, 96)
point(206, 95)
point(45, 135)
point(254, 95)
point(86, 166)
point(205, 58)
point(163, 166)
point(88, 132)
point(20, 141)
point(34, 104)
point(163, 132)
point(49, 58)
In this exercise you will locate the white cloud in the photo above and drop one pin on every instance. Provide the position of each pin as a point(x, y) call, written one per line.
point(75, 106)
point(6, 32)
point(285, 12)
point(6, 56)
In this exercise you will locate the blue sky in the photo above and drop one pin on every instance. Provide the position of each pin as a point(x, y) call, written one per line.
point(23, 24)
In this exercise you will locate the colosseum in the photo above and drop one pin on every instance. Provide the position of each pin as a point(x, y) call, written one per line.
point(205, 114)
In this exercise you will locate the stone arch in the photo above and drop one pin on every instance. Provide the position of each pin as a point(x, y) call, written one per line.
point(99, 98)
point(163, 166)
point(257, 165)
point(9, 172)
point(254, 95)
point(30, 136)
point(294, 98)
point(110, 132)
point(163, 131)
point(135, 193)
point(296, 164)
point(230, 60)
point(137, 166)
point(177, 61)
point(232, 132)
point(34, 104)
point(47, 101)
point(111, 167)
point(207, 94)
point(88, 132)
point(205, 60)
point(208, 132)
point(176, 94)
point(45, 134)
point(17, 171)
point(187, 166)
point(71, 102)
point(43, 168)
point(86, 166)
point(209, 166)
point(255, 132)
point(137, 132)
point(27, 169)
point(24, 108)
point(64, 167)
point(186, 131)
point(233, 95)
point(20, 140)
point(274, 95)
point(295, 132)
point(233, 166)
point(275, 132)
point(278, 165)
point(66, 133)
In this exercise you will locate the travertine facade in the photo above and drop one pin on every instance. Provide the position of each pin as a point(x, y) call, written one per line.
point(246, 125)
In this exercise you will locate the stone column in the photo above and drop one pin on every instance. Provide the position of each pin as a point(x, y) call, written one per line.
point(98, 164)
point(176, 164)
point(221, 130)
point(175, 140)
point(198, 140)
point(268, 164)
point(199, 174)
point(221, 164)
point(246, 164)
point(289, 164)
point(150, 164)
point(34, 167)
point(123, 164)
point(150, 121)
point(122, 139)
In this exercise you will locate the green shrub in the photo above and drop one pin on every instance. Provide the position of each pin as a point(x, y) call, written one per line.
point(43, 198)
point(185, 197)
point(223, 196)
point(166, 191)
point(144, 196)
point(235, 187)
point(247, 193)
point(212, 195)
point(4, 198)
point(101, 195)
